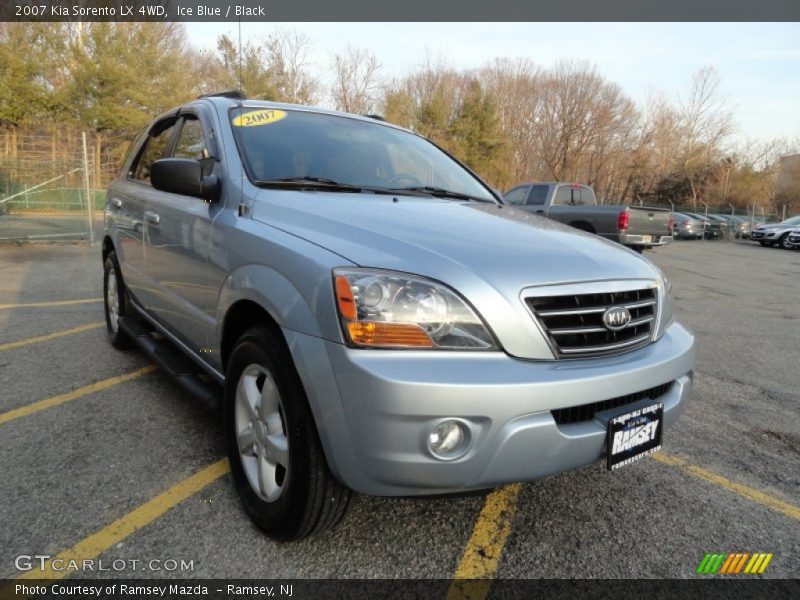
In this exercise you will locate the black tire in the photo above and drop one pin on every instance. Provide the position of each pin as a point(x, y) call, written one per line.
point(638, 249)
point(310, 499)
point(784, 242)
point(118, 338)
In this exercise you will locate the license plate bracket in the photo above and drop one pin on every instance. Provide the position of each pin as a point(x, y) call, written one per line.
point(633, 435)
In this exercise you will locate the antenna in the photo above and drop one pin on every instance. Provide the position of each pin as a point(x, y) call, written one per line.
point(241, 81)
point(242, 206)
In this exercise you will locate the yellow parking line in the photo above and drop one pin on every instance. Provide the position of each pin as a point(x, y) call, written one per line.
point(46, 304)
point(743, 490)
point(113, 533)
point(481, 556)
point(51, 336)
point(24, 411)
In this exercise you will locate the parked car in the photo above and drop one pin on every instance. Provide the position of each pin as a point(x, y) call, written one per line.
point(793, 239)
point(686, 227)
point(711, 228)
point(372, 317)
point(775, 233)
point(723, 224)
point(575, 204)
point(738, 226)
point(741, 226)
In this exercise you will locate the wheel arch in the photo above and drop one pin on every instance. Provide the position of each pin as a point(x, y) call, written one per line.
point(240, 316)
point(258, 291)
point(108, 247)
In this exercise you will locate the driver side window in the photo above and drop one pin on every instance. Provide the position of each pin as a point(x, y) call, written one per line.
point(517, 196)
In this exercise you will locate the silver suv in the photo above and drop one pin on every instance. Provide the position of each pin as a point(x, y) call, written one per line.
point(775, 233)
point(372, 317)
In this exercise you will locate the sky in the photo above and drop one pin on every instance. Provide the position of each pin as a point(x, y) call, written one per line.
point(758, 63)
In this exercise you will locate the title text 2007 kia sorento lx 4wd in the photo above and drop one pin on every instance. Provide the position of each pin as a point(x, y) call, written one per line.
point(372, 317)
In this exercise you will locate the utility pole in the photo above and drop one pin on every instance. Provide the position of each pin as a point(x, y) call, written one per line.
point(88, 190)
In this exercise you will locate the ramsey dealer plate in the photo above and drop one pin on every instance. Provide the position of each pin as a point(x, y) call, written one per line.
point(634, 435)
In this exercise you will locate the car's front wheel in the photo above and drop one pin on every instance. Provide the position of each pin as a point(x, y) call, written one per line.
point(114, 301)
point(277, 463)
point(784, 242)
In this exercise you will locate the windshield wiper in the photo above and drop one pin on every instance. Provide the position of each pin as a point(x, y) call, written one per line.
point(300, 182)
point(441, 193)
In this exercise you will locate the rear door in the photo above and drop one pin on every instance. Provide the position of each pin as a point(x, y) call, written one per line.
point(177, 245)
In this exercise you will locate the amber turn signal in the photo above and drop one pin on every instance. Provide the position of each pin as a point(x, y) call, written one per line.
point(373, 333)
point(344, 296)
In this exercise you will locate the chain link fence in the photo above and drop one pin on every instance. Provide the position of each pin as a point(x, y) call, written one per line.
point(52, 183)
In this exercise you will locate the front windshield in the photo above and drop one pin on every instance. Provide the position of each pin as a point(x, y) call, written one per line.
point(290, 144)
point(792, 221)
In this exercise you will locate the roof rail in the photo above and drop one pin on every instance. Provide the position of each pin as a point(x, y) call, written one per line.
point(376, 117)
point(234, 94)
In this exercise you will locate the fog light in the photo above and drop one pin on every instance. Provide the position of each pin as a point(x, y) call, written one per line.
point(447, 439)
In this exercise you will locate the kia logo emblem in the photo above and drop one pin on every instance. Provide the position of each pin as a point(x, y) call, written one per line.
point(616, 318)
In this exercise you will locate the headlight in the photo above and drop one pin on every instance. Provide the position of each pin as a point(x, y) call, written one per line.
point(667, 300)
point(394, 310)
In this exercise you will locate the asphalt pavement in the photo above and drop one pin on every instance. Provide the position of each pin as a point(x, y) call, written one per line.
point(729, 479)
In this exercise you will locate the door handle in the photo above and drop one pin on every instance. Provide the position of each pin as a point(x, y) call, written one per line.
point(116, 203)
point(152, 217)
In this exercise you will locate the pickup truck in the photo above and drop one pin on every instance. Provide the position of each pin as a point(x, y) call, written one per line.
point(575, 204)
point(318, 276)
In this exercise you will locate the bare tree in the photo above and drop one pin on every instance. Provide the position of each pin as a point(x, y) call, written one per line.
point(356, 80)
point(704, 122)
point(514, 85)
point(288, 55)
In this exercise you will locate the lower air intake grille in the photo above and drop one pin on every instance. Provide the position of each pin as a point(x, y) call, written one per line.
point(585, 412)
point(575, 327)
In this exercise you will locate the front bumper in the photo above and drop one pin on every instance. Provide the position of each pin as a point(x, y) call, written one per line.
point(374, 410)
point(764, 235)
point(630, 239)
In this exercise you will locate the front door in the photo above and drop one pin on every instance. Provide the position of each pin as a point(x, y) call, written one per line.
point(177, 247)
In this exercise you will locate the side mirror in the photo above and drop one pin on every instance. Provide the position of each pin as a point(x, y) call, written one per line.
point(184, 176)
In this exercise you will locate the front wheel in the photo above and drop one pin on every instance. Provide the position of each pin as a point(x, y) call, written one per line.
point(784, 242)
point(277, 462)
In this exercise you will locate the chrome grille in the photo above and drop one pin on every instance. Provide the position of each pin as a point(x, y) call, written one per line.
point(574, 325)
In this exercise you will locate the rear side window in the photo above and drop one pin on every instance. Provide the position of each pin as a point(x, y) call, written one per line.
point(538, 195)
point(155, 148)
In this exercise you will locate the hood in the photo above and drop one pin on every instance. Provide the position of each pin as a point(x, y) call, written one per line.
point(436, 237)
point(487, 253)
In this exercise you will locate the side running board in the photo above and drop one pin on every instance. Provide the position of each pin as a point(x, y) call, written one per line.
point(185, 373)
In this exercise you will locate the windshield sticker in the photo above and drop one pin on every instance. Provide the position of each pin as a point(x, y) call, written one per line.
point(258, 117)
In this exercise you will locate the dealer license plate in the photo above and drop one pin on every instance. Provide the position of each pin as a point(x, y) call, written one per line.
point(647, 238)
point(634, 435)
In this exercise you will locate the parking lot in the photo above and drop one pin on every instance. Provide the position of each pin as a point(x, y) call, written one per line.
point(92, 438)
